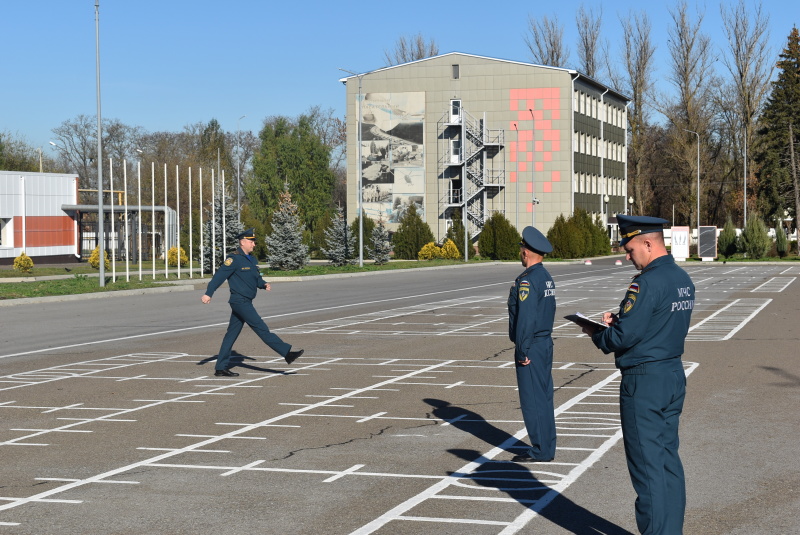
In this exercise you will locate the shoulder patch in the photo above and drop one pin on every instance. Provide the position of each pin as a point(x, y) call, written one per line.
point(629, 302)
point(524, 290)
point(634, 287)
point(228, 261)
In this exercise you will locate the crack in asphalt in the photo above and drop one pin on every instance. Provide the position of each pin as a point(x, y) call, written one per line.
point(370, 437)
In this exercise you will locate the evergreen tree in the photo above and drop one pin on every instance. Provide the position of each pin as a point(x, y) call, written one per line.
point(340, 241)
point(285, 247)
point(456, 234)
point(560, 238)
point(781, 243)
point(213, 228)
point(499, 240)
point(755, 238)
point(379, 247)
point(779, 158)
point(726, 243)
point(369, 226)
point(411, 236)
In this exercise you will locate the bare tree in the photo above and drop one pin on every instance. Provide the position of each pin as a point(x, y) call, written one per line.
point(412, 48)
point(76, 141)
point(692, 58)
point(589, 24)
point(638, 52)
point(749, 61)
point(546, 41)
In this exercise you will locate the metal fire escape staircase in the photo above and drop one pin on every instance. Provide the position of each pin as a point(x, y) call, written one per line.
point(465, 145)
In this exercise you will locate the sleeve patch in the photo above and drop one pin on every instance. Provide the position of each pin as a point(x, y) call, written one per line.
point(629, 302)
point(228, 261)
point(634, 287)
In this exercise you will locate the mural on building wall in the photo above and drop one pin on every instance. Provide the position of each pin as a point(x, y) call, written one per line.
point(537, 140)
point(392, 158)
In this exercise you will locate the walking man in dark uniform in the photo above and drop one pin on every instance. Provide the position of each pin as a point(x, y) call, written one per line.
point(531, 311)
point(240, 269)
point(647, 338)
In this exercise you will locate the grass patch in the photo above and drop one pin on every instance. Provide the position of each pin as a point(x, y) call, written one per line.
point(325, 269)
point(79, 284)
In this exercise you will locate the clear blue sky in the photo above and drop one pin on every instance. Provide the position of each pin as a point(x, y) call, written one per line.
point(169, 63)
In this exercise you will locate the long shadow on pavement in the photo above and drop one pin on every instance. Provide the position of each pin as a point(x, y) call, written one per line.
point(516, 480)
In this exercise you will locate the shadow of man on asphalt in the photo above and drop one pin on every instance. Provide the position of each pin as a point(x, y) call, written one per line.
point(516, 480)
point(237, 359)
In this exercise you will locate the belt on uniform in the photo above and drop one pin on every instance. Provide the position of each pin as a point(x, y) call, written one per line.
point(656, 366)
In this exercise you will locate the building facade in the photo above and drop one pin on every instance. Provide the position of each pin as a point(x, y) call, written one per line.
point(33, 218)
point(459, 132)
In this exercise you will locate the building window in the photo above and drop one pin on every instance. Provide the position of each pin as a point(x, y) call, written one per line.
point(455, 72)
point(6, 233)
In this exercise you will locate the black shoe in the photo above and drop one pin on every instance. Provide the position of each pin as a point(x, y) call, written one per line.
point(226, 373)
point(525, 458)
point(292, 356)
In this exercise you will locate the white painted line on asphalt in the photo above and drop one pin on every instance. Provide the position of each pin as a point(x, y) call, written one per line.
point(774, 285)
point(16, 502)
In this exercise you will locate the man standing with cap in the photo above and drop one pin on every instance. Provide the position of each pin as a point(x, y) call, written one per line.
point(531, 311)
point(647, 338)
point(240, 269)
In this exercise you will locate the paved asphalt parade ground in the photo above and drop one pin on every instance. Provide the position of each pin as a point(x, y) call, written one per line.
point(401, 417)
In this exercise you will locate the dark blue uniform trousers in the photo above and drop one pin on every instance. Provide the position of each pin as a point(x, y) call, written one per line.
point(243, 311)
point(651, 402)
point(535, 383)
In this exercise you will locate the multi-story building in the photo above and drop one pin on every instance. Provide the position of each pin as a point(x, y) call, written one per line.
point(464, 132)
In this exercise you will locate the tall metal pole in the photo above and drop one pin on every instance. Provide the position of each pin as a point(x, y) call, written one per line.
point(516, 192)
point(100, 234)
point(238, 179)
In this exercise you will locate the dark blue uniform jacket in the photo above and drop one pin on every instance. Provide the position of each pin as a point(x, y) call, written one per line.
point(654, 316)
point(531, 310)
point(241, 272)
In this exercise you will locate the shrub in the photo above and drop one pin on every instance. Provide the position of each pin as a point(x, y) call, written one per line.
point(567, 239)
point(447, 251)
point(755, 238)
point(726, 243)
point(411, 236)
point(23, 263)
point(456, 233)
point(429, 251)
point(94, 258)
point(368, 226)
point(450, 251)
point(781, 243)
point(499, 240)
point(172, 257)
point(578, 236)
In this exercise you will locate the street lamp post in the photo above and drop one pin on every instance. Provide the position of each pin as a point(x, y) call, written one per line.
point(698, 180)
point(358, 171)
point(238, 180)
point(100, 233)
point(630, 202)
point(40, 159)
point(516, 191)
point(534, 201)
